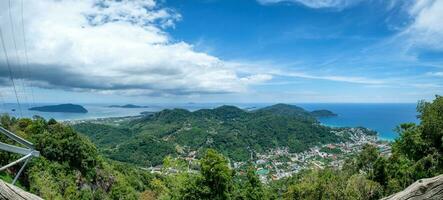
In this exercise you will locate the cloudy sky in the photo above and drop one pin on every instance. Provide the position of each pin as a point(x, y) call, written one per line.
point(145, 51)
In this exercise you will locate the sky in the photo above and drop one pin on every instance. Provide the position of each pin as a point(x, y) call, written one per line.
point(166, 51)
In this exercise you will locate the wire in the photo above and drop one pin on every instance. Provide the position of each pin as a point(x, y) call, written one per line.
point(16, 52)
point(26, 54)
point(3, 104)
point(10, 71)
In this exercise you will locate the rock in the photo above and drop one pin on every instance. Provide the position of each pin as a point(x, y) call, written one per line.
point(428, 188)
point(8, 191)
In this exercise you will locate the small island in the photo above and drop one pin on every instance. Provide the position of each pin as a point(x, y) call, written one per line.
point(127, 106)
point(323, 113)
point(65, 108)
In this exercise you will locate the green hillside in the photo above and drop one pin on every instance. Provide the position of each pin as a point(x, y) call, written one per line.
point(70, 167)
point(230, 130)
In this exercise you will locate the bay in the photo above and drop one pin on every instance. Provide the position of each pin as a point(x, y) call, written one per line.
point(381, 117)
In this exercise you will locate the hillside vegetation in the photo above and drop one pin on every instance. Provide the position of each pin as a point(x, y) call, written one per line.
point(70, 167)
point(232, 131)
point(416, 154)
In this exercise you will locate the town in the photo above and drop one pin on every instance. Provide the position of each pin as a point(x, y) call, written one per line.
point(279, 163)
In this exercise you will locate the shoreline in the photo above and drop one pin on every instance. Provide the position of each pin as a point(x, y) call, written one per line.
point(379, 137)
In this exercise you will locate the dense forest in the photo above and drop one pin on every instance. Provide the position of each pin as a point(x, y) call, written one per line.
point(70, 167)
point(230, 130)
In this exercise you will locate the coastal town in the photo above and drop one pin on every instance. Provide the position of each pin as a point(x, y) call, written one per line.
point(280, 163)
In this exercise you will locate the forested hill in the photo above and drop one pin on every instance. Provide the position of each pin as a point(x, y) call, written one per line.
point(232, 131)
point(69, 166)
point(288, 111)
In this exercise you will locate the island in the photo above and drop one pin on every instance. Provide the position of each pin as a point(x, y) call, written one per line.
point(65, 108)
point(127, 106)
point(323, 113)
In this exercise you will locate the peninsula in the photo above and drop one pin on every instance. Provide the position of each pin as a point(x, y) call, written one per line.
point(127, 106)
point(323, 113)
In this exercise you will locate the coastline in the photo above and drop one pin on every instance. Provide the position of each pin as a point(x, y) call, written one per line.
point(379, 137)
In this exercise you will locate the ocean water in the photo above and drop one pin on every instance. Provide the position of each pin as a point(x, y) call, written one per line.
point(94, 110)
point(382, 118)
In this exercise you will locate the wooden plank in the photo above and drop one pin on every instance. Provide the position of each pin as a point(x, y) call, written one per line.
point(428, 188)
point(8, 191)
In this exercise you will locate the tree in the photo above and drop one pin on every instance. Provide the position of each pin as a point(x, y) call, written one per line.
point(431, 116)
point(379, 174)
point(216, 175)
point(411, 142)
point(360, 188)
point(249, 187)
point(367, 158)
point(318, 184)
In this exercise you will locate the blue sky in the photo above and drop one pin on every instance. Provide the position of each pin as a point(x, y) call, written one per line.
point(224, 51)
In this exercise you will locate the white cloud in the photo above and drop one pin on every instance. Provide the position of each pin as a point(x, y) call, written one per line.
point(426, 30)
point(117, 46)
point(436, 74)
point(347, 79)
point(337, 4)
point(295, 70)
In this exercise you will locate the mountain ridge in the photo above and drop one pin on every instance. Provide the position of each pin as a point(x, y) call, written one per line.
point(233, 131)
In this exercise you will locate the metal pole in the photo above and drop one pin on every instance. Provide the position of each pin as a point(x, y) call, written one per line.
point(15, 162)
point(20, 171)
point(28, 152)
point(14, 149)
point(16, 138)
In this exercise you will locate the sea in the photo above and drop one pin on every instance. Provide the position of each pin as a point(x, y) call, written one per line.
point(381, 117)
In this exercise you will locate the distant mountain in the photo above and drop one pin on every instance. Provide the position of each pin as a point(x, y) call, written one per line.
point(323, 113)
point(288, 111)
point(127, 106)
point(228, 129)
point(66, 108)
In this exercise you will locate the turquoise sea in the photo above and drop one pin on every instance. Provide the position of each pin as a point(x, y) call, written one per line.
point(382, 118)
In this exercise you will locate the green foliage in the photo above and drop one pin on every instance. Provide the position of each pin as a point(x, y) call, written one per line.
point(216, 175)
point(62, 144)
point(419, 147)
point(317, 185)
point(252, 188)
point(359, 187)
point(410, 143)
point(366, 159)
point(138, 149)
point(215, 180)
point(227, 129)
point(105, 136)
point(416, 154)
point(431, 116)
point(70, 166)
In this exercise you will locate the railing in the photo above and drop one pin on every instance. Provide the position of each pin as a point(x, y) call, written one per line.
point(28, 152)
